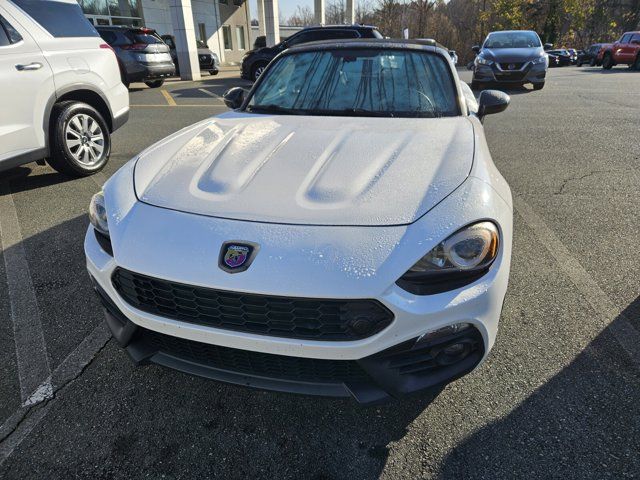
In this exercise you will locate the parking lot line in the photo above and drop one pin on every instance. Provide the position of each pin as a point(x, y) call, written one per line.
point(199, 105)
point(607, 314)
point(34, 373)
point(170, 101)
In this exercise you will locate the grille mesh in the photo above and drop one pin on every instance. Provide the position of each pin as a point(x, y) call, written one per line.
point(256, 363)
point(316, 319)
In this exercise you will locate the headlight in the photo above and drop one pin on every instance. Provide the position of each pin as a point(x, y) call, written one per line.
point(542, 59)
point(483, 61)
point(98, 214)
point(459, 260)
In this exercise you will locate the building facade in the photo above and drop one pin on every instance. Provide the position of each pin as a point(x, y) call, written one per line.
point(222, 24)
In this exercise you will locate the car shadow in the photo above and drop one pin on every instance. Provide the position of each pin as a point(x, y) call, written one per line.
point(561, 427)
point(22, 180)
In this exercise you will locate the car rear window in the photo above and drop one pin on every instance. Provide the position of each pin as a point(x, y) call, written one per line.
point(144, 37)
point(60, 19)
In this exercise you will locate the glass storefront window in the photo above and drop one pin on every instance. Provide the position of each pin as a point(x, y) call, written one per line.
point(94, 7)
point(124, 8)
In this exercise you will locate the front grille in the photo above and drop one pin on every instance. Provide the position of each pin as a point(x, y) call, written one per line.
point(256, 363)
point(507, 66)
point(315, 319)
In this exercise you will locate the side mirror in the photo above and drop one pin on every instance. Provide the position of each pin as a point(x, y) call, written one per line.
point(492, 101)
point(548, 46)
point(476, 48)
point(234, 97)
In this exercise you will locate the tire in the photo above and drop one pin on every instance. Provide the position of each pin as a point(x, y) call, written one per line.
point(538, 86)
point(578, 64)
point(154, 83)
point(607, 62)
point(636, 64)
point(74, 151)
point(213, 72)
point(257, 70)
point(592, 63)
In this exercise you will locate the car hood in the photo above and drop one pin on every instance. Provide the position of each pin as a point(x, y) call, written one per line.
point(515, 55)
point(308, 170)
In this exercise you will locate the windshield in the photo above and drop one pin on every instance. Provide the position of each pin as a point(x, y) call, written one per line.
point(512, 40)
point(358, 82)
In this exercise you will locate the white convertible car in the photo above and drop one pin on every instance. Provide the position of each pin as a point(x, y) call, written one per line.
point(343, 231)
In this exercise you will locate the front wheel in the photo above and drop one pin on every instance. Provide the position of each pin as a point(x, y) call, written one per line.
point(257, 70)
point(607, 62)
point(213, 72)
point(80, 139)
point(154, 83)
point(538, 86)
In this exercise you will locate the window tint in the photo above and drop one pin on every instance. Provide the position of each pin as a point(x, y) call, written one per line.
point(4, 40)
point(636, 38)
point(58, 18)
point(512, 40)
point(336, 34)
point(109, 37)
point(10, 33)
point(625, 38)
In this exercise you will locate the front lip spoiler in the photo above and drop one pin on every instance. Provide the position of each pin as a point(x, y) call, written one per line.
point(383, 383)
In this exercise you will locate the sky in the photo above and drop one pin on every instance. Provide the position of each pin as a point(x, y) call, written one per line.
point(287, 7)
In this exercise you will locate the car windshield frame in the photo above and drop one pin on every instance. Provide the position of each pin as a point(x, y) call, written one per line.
point(456, 110)
point(493, 35)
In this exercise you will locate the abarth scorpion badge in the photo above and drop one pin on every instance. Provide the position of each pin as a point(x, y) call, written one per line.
point(236, 256)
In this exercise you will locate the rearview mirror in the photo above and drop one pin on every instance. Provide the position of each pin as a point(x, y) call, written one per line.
point(492, 101)
point(476, 48)
point(234, 97)
point(548, 46)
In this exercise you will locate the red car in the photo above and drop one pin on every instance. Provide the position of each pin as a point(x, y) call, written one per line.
point(625, 51)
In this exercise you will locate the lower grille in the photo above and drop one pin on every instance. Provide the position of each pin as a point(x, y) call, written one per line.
point(511, 66)
point(314, 319)
point(256, 363)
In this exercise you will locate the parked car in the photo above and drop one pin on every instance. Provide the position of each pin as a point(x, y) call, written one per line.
point(142, 55)
point(626, 51)
point(511, 57)
point(604, 48)
point(589, 55)
point(573, 53)
point(255, 61)
point(208, 60)
point(564, 57)
point(554, 61)
point(60, 88)
point(337, 282)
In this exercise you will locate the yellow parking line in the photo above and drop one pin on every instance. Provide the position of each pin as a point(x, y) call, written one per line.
point(179, 106)
point(168, 98)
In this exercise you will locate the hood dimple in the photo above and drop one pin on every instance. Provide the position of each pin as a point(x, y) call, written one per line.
point(309, 170)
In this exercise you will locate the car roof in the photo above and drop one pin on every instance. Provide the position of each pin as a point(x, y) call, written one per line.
point(512, 31)
point(381, 43)
point(354, 26)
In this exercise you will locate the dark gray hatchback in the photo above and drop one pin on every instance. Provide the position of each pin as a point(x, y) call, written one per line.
point(511, 57)
point(142, 55)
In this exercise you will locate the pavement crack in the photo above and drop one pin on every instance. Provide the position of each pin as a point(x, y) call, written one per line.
point(560, 191)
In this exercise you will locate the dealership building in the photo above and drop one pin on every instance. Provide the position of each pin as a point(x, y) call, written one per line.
point(224, 25)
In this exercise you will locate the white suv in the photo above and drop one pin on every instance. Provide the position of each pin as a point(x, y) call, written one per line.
point(61, 93)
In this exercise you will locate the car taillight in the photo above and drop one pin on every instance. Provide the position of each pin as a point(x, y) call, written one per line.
point(134, 46)
point(107, 46)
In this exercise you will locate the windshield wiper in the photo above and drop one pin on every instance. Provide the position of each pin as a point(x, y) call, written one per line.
point(271, 108)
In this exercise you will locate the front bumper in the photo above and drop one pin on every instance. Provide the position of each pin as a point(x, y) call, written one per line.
point(408, 368)
point(528, 73)
point(296, 261)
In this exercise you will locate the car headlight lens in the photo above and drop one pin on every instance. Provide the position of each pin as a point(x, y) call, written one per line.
point(459, 260)
point(541, 59)
point(480, 60)
point(98, 214)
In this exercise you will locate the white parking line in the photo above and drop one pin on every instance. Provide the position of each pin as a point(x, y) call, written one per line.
point(18, 426)
point(34, 373)
point(606, 311)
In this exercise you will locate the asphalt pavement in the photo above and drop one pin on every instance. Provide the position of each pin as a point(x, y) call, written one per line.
point(559, 396)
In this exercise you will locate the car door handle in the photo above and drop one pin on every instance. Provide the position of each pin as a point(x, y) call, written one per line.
point(30, 66)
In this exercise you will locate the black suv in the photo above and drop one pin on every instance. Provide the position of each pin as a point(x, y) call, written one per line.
point(142, 55)
point(255, 61)
point(589, 55)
